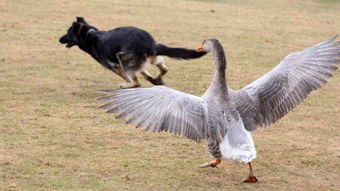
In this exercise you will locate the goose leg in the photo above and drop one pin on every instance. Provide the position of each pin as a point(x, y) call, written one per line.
point(251, 178)
point(211, 164)
point(214, 149)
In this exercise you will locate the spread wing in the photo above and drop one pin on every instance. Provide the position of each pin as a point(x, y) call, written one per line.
point(270, 97)
point(161, 109)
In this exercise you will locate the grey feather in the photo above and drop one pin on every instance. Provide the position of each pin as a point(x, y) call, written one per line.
point(279, 91)
point(161, 109)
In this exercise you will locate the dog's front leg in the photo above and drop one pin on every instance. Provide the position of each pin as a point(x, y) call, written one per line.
point(134, 83)
point(130, 77)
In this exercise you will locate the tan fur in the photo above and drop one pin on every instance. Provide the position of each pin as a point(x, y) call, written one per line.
point(131, 76)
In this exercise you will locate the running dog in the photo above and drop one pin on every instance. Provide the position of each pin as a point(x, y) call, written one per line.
point(124, 50)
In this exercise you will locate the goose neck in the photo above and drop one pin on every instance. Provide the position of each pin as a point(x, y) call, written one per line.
point(218, 83)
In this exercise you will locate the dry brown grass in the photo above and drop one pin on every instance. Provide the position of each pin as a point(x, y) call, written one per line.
point(54, 137)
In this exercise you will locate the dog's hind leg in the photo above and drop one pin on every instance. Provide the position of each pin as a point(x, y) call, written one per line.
point(147, 75)
point(159, 62)
point(149, 78)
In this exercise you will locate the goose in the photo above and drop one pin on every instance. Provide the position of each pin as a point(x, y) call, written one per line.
point(223, 117)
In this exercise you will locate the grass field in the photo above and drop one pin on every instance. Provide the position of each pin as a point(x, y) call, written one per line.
point(53, 136)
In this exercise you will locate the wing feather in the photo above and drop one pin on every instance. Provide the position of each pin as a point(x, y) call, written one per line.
point(272, 96)
point(161, 109)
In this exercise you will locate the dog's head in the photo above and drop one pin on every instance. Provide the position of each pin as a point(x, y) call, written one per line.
point(71, 37)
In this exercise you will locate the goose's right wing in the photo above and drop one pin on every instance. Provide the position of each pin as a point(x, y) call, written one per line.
point(161, 109)
point(270, 97)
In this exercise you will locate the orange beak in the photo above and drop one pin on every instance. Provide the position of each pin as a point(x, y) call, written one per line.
point(200, 49)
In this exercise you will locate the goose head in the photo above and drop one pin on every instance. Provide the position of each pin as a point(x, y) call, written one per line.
point(218, 86)
point(207, 45)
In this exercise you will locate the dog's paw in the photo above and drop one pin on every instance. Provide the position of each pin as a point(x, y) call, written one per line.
point(158, 81)
point(128, 85)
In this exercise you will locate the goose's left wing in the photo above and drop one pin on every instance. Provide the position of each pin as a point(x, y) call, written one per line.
point(272, 96)
point(161, 109)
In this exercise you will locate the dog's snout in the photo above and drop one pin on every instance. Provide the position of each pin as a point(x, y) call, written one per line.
point(63, 39)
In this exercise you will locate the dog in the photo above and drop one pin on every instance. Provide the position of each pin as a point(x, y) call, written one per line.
point(124, 50)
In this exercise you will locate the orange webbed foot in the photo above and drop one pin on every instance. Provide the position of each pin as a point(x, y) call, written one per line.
point(251, 179)
point(211, 164)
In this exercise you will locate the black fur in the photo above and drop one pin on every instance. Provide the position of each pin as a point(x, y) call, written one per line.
point(180, 53)
point(128, 47)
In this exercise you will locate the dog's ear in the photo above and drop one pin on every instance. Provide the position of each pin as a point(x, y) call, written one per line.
point(81, 20)
point(75, 27)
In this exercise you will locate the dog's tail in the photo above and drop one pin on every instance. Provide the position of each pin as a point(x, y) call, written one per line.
point(177, 53)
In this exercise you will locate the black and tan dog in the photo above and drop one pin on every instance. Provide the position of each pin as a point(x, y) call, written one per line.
point(125, 50)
